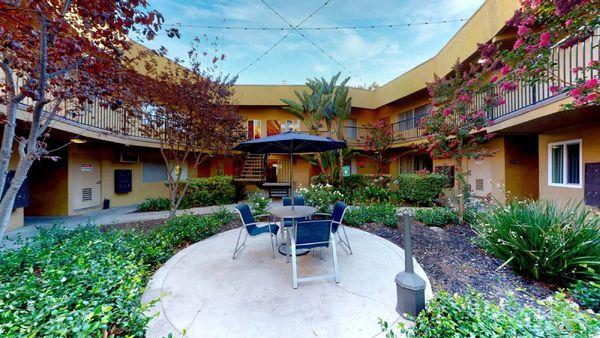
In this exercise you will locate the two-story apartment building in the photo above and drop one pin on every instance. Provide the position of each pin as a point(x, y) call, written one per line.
point(540, 150)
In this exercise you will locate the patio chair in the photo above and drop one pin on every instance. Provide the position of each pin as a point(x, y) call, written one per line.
point(336, 218)
point(253, 229)
point(287, 201)
point(312, 235)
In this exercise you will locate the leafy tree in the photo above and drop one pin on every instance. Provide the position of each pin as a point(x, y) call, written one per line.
point(57, 57)
point(187, 107)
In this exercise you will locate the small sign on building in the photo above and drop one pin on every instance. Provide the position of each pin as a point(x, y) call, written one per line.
point(86, 167)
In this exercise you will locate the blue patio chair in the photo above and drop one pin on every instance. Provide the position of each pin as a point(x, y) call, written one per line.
point(336, 218)
point(253, 229)
point(313, 235)
point(287, 201)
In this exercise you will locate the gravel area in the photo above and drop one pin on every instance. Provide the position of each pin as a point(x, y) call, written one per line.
point(453, 263)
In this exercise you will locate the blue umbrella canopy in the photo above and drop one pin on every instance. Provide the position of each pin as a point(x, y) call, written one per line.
point(290, 142)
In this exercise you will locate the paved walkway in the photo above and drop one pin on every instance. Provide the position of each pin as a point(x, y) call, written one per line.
point(204, 293)
point(114, 215)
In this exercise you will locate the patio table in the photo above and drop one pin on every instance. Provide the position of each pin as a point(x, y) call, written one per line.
point(289, 212)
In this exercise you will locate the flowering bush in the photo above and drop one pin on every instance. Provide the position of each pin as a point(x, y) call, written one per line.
point(321, 196)
point(259, 203)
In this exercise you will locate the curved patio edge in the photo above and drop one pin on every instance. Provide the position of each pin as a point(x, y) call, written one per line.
point(204, 293)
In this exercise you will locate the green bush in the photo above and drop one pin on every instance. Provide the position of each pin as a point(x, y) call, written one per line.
point(209, 191)
point(377, 213)
point(436, 216)
point(420, 189)
point(85, 282)
point(539, 239)
point(587, 294)
point(154, 204)
point(470, 315)
point(259, 203)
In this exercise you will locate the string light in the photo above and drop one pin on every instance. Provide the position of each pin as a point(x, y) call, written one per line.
point(248, 28)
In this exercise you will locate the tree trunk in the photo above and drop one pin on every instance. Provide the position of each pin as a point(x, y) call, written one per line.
point(8, 200)
point(459, 179)
point(341, 165)
point(320, 162)
point(7, 142)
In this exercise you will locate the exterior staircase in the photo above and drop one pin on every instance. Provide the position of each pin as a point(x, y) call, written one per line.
point(252, 170)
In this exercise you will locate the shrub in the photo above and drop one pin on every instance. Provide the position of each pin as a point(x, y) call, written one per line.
point(587, 294)
point(470, 315)
point(320, 196)
point(543, 241)
point(355, 182)
point(377, 213)
point(85, 282)
point(208, 191)
point(154, 204)
point(259, 203)
point(420, 189)
point(436, 216)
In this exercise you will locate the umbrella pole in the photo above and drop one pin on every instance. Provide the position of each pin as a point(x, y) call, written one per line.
point(292, 178)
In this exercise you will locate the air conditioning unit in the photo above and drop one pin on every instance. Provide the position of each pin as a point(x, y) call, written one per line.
point(129, 156)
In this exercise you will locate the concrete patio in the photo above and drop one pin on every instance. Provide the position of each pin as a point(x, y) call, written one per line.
point(204, 293)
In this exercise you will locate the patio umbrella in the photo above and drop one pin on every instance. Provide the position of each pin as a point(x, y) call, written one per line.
point(291, 143)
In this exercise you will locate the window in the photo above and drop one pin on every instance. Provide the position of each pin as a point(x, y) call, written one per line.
point(254, 129)
point(564, 164)
point(287, 125)
point(350, 129)
point(154, 171)
point(273, 127)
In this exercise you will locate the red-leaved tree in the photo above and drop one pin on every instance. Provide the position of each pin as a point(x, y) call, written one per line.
point(56, 54)
point(185, 105)
point(377, 142)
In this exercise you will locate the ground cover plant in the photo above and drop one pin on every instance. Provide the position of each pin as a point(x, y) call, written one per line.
point(542, 240)
point(436, 216)
point(88, 282)
point(470, 315)
point(377, 213)
point(587, 294)
point(154, 204)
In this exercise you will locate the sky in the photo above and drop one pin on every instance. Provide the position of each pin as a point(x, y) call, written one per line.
point(366, 55)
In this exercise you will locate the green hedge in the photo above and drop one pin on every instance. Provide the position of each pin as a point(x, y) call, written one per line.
point(154, 204)
point(208, 191)
point(85, 282)
point(419, 189)
point(470, 315)
point(436, 216)
point(377, 213)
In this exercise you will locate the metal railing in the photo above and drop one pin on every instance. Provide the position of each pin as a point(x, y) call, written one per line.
point(526, 95)
point(564, 58)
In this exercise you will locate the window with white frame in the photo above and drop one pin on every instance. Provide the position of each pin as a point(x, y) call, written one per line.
point(564, 164)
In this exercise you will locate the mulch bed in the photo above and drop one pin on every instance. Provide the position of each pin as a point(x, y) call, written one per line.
point(453, 263)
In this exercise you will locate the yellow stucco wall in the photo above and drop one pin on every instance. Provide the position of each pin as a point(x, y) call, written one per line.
point(489, 169)
point(589, 134)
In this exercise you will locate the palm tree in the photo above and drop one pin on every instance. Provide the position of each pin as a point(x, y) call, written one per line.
point(327, 103)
